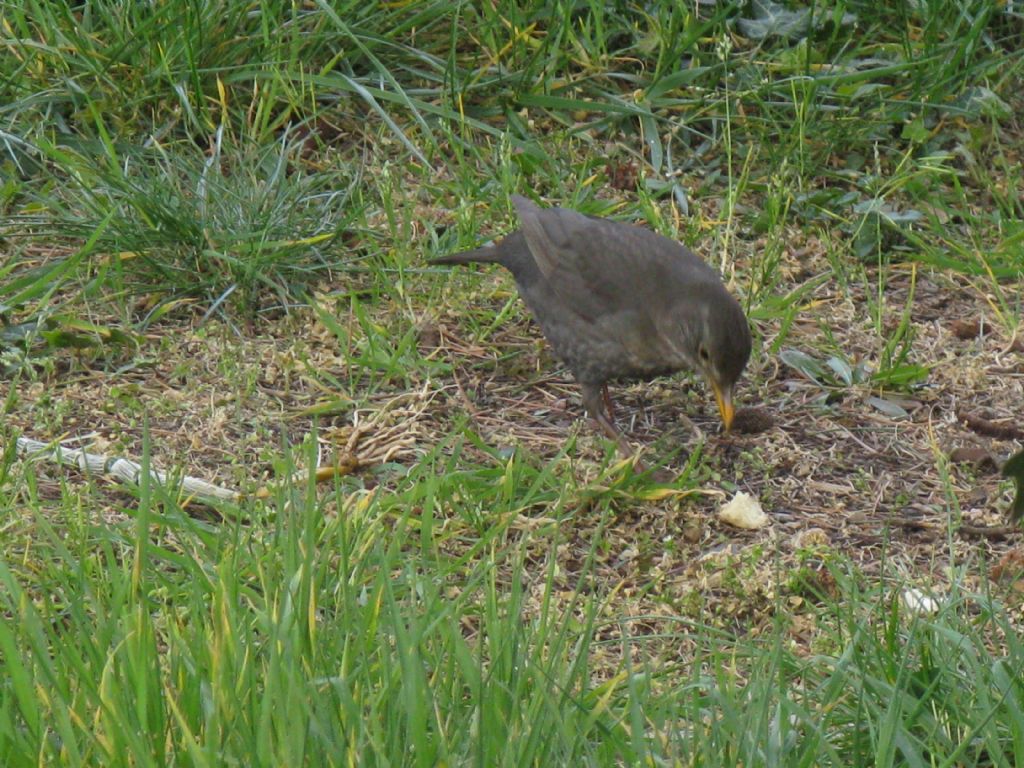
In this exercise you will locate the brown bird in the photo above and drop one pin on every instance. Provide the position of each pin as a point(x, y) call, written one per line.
point(617, 301)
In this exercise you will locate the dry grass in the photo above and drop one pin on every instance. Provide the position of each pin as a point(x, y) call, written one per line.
point(841, 477)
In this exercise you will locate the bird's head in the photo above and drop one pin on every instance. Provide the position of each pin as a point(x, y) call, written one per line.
point(716, 337)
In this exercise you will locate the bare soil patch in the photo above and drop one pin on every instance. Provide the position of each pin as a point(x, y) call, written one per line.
point(837, 475)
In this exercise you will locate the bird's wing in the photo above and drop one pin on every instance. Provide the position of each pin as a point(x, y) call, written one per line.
point(601, 267)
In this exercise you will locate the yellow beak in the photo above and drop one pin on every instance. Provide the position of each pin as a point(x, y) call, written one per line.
point(724, 399)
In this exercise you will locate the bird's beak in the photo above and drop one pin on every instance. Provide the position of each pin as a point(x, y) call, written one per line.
point(723, 395)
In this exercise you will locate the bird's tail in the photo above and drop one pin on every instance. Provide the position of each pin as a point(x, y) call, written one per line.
point(487, 254)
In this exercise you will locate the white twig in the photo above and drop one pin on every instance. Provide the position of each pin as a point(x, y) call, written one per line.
point(123, 469)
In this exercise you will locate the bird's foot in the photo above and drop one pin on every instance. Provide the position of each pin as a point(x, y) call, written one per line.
point(687, 422)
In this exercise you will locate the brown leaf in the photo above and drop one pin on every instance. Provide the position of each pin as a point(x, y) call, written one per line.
point(967, 329)
point(1009, 567)
point(982, 460)
point(984, 425)
point(621, 175)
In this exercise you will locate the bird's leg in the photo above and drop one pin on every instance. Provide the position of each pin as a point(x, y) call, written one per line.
point(608, 402)
point(594, 400)
point(599, 406)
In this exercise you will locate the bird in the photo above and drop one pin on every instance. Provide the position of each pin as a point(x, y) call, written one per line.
point(618, 302)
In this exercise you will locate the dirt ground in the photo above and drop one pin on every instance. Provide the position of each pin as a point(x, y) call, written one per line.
point(838, 472)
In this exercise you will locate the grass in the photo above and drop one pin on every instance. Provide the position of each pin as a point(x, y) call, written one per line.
point(341, 628)
point(214, 221)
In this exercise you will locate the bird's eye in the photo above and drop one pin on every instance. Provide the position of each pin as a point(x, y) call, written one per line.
point(703, 352)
